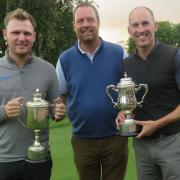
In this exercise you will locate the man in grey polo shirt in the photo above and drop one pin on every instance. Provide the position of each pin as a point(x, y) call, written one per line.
point(21, 73)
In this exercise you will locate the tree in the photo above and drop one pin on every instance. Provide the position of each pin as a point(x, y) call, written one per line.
point(165, 32)
point(131, 46)
point(54, 25)
point(2, 14)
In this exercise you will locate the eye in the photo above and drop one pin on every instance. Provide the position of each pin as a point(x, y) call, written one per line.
point(27, 33)
point(145, 23)
point(135, 25)
point(79, 21)
point(91, 20)
point(15, 33)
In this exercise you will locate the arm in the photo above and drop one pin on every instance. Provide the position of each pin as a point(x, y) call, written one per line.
point(2, 113)
point(60, 108)
point(125, 54)
point(149, 127)
point(120, 118)
point(177, 67)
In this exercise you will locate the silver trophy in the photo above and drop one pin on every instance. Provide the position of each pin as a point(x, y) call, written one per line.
point(38, 111)
point(127, 102)
point(37, 119)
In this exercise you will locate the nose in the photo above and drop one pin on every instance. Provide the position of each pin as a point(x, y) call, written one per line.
point(140, 28)
point(21, 37)
point(85, 23)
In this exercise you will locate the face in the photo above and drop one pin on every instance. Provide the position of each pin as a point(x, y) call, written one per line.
point(142, 28)
point(20, 37)
point(86, 24)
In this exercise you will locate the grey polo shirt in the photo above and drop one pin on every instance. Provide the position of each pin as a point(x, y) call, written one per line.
point(15, 82)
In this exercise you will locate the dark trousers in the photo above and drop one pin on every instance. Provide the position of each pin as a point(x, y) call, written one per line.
point(100, 158)
point(25, 170)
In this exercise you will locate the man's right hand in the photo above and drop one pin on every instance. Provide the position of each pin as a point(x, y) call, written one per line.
point(13, 107)
point(120, 118)
point(60, 109)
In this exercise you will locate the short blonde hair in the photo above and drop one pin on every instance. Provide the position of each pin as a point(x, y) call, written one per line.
point(19, 14)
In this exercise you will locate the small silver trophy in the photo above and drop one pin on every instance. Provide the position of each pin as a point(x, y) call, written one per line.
point(127, 102)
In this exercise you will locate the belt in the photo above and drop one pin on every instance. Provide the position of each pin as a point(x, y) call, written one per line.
point(159, 136)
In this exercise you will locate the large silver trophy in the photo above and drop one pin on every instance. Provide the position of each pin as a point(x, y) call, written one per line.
point(37, 119)
point(127, 102)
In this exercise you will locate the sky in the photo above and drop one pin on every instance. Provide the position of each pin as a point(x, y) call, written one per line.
point(114, 15)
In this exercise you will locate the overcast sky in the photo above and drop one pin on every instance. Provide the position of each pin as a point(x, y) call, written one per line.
point(114, 15)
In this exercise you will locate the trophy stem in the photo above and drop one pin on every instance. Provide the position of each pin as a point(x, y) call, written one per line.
point(128, 127)
point(36, 152)
point(36, 142)
point(128, 116)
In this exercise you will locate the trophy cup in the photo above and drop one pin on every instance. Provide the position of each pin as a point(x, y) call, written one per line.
point(37, 119)
point(127, 102)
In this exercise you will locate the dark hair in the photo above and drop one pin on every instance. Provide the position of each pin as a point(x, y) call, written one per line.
point(86, 5)
point(19, 14)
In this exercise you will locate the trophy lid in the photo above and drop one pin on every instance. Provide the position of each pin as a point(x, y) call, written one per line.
point(126, 81)
point(37, 100)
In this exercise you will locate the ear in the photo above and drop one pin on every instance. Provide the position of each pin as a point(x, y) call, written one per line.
point(5, 34)
point(34, 36)
point(73, 25)
point(129, 31)
point(156, 26)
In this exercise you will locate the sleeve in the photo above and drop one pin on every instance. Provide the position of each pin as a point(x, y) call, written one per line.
point(61, 78)
point(125, 54)
point(2, 113)
point(177, 64)
point(53, 87)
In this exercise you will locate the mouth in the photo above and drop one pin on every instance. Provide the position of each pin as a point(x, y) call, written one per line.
point(87, 35)
point(86, 30)
point(21, 45)
point(142, 36)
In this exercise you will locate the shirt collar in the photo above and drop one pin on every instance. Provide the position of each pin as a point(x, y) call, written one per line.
point(12, 61)
point(84, 52)
point(153, 49)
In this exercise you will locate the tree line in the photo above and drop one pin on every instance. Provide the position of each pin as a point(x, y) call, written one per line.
point(55, 29)
point(53, 25)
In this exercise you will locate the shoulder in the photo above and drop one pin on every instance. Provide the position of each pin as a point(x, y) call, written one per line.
point(68, 52)
point(131, 59)
point(3, 60)
point(43, 64)
point(167, 50)
point(167, 47)
point(112, 46)
point(112, 49)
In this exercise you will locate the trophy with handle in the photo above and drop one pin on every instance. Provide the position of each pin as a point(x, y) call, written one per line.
point(38, 111)
point(127, 102)
point(37, 119)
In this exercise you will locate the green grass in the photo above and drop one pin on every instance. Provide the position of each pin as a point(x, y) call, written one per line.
point(63, 165)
